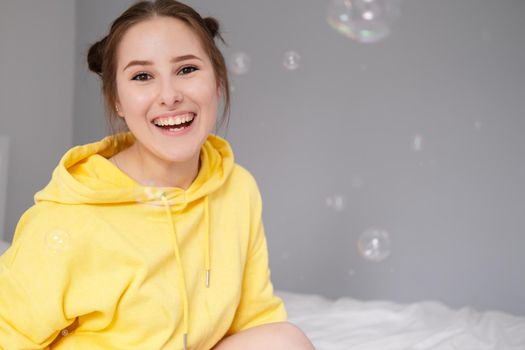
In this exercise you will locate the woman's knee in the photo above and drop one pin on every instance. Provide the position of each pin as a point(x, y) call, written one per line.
point(275, 336)
point(294, 338)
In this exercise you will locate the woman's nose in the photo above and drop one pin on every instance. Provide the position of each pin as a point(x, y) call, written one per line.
point(170, 94)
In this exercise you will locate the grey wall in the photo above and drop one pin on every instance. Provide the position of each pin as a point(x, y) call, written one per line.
point(4, 163)
point(36, 95)
point(343, 124)
point(93, 20)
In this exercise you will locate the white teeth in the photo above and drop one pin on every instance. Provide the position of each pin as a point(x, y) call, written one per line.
point(174, 121)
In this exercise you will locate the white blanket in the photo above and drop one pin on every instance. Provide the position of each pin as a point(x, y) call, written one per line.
point(349, 324)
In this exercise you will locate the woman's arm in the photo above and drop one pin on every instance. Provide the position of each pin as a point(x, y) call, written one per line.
point(275, 336)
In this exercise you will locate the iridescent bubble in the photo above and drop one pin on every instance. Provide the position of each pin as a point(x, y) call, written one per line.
point(57, 240)
point(153, 193)
point(337, 202)
point(240, 63)
point(478, 125)
point(366, 21)
point(374, 244)
point(417, 143)
point(291, 60)
point(368, 15)
point(148, 192)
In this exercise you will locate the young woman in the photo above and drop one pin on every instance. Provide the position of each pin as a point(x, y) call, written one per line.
point(150, 238)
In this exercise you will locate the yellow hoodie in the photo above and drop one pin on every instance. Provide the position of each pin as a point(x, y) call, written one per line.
point(101, 262)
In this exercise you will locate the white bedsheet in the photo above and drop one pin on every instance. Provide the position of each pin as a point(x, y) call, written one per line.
point(350, 324)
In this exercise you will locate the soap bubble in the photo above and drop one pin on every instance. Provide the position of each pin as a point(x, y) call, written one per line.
point(374, 244)
point(337, 202)
point(478, 125)
point(57, 240)
point(148, 192)
point(417, 143)
point(291, 60)
point(240, 63)
point(366, 21)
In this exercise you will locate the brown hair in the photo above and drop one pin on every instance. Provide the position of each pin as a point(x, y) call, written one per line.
point(102, 56)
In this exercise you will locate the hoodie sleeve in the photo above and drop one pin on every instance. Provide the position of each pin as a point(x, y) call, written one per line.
point(34, 274)
point(258, 304)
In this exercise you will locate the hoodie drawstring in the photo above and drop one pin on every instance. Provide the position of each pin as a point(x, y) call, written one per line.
point(182, 279)
point(207, 241)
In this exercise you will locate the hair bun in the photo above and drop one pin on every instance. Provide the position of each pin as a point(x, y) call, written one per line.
point(213, 26)
point(95, 56)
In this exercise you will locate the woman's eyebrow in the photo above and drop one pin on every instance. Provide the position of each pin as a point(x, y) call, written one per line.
point(149, 63)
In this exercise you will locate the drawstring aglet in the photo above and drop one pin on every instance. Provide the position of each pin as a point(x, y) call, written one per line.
point(185, 338)
point(207, 278)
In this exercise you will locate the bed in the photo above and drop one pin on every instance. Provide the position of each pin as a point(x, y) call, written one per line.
point(350, 324)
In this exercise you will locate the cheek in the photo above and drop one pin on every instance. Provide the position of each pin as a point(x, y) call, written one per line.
point(132, 98)
point(206, 94)
point(205, 89)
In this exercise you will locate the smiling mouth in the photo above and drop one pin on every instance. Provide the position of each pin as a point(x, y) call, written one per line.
point(172, 126)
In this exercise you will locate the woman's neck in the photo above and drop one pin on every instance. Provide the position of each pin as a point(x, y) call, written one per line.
point(149, 170)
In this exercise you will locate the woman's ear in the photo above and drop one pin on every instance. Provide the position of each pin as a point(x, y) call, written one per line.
point(118, 109)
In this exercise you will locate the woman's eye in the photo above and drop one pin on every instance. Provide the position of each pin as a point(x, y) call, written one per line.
point(141, 77)
point(187, 70)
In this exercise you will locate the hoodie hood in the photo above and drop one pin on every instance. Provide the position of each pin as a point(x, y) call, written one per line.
point(86, 176)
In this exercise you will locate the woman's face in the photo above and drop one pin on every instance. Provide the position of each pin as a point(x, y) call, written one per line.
point(164, 77)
